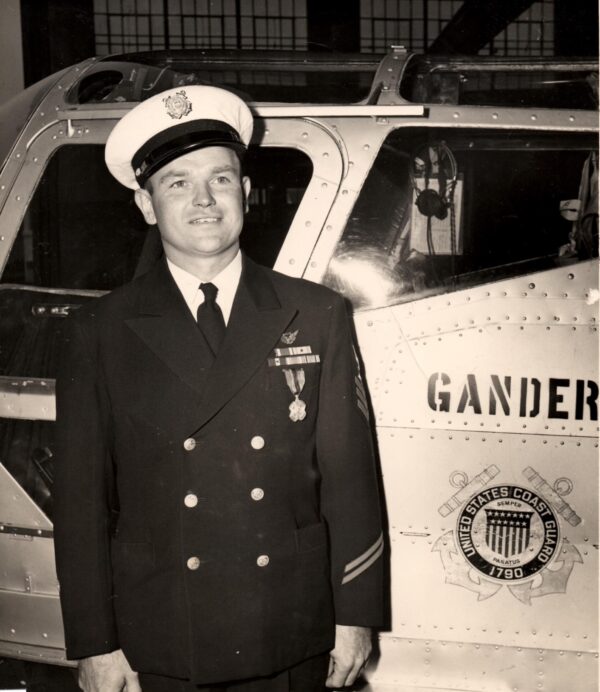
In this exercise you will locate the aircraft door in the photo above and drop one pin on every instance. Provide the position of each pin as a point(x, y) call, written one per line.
point(71, 233)
point(476, 311)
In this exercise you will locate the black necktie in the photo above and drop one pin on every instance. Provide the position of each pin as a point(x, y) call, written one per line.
point(210, 317)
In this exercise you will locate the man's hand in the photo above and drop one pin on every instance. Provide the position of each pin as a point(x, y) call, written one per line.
point(107, 673)
point(351, 652)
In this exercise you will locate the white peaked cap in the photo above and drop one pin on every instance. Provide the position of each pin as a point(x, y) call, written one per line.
point(171, 123)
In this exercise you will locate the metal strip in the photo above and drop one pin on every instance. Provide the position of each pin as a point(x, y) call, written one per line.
point(299, 111)
point(24, 531)
point(326, 157)
point(267, 111)
point(28, 398)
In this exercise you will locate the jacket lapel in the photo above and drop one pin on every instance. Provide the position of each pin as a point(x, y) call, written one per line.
point(255, 326)
point(165, 324)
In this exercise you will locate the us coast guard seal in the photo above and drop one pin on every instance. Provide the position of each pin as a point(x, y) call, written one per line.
point(507, 532)
point(508, 535)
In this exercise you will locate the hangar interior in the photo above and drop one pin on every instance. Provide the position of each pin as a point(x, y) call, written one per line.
point(43, 36)
point(53, 34)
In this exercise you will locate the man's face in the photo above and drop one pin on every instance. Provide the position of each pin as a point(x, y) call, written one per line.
point(198, 202)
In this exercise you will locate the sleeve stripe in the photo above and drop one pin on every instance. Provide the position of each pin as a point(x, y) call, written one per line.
point(365, 556)
point(364, 566)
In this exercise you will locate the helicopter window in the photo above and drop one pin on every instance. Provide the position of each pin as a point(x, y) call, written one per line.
point(441, 210)
point(281, 77)
point(496, 82)
point(82, 229)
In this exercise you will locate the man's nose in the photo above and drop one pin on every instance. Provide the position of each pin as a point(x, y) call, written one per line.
point(203, 196)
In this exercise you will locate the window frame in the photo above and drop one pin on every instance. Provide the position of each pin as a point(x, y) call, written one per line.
point(298, 133)
point(309, 137)
point(368, 142)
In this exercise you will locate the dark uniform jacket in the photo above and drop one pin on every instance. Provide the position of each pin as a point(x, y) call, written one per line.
point(197, 526)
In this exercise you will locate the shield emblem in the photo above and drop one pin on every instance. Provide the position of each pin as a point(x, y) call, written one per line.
point(507, 532)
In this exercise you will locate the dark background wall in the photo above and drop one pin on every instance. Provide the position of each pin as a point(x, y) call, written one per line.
point(57, 33)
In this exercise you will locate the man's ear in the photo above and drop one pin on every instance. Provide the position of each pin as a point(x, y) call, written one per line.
point(143, 199)
point(246, 192)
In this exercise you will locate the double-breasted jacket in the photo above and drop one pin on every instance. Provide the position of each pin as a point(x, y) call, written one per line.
point(198, 527)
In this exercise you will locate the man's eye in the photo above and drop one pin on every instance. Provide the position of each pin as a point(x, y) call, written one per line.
point(177, 183)
point(222, 179)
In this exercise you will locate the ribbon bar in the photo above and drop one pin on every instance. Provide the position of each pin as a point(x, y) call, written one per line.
point(292, 351)
point(293, 360)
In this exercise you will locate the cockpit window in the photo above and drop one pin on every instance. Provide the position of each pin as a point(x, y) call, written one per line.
point(267, 77)
point(501, 82)
point(445, 209)
point(82, 229)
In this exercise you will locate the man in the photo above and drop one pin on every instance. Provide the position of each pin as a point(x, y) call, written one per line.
point(217, 522)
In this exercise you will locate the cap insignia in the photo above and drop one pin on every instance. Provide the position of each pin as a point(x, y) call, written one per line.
point(178, 105)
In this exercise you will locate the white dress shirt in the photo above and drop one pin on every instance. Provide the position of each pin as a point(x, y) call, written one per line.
point(226, 281)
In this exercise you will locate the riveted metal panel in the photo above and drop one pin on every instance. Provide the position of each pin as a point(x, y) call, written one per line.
point(328, 166)
point(436, 592)
point(41, 653)
point(428, 665)
point(30, 619)
point(26, 551)
point(39, 151)
point(27, 565)
point(362, 138)
point(534, 119)
point(17, 508)
point(469, 342)
point(449, 442)
point(45, 116)
point(29, 605)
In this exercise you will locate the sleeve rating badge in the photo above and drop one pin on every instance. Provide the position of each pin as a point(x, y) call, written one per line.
point(508, 535)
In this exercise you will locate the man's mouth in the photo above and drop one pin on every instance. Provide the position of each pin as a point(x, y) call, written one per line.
point(204, 219)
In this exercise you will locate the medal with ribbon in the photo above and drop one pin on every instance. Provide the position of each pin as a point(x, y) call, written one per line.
point(295, 380)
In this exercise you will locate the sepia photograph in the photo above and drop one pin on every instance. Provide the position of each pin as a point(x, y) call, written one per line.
point(299, 366)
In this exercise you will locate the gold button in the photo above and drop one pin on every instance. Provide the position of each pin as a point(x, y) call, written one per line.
point(262, 560)
point(189, 444)
point(193, 563)
point(190, 500)
point(257, 494)
point(257, 442)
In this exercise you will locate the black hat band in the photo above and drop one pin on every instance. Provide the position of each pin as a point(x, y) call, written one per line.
point(169, 144)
